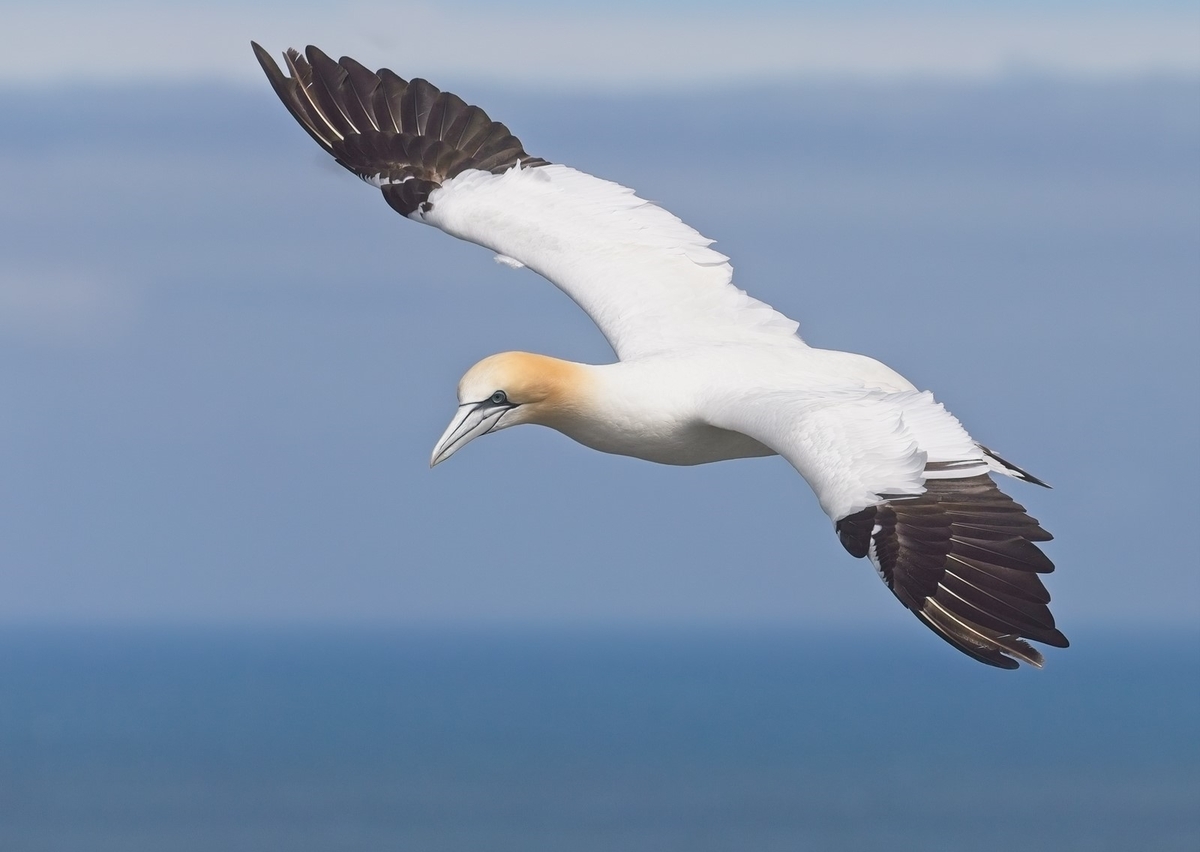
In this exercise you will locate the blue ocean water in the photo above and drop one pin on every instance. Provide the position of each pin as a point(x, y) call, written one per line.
point(573, 740)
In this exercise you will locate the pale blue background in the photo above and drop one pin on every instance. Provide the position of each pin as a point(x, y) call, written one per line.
point(239, 612)
point(223, 361)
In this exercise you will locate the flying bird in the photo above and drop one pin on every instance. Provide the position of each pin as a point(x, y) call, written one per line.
point(705, 372)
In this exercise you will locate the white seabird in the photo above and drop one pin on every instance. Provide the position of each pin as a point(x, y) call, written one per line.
point(705, 372)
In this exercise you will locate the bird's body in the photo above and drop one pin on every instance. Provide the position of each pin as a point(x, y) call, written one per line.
point(651, 409)
point(663, 408)
point(705, 372)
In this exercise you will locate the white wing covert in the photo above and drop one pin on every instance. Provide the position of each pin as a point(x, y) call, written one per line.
point(650, 282)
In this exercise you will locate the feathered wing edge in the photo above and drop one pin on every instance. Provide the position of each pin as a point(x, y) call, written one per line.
point(962, 557)
point(649, 281)
point(1006, 467)
point(406, 137)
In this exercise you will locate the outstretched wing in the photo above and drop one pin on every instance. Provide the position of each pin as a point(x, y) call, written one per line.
point(909, 489)
point(650, 282)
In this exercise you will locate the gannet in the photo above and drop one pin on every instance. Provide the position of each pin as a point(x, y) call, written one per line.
point(705, 372)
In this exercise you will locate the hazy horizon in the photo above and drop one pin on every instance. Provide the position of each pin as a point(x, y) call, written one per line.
point(663, 45)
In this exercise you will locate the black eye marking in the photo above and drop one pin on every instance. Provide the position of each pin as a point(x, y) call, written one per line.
point(499, 398)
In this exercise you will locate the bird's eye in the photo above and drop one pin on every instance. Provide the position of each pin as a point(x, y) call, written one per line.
point(499, 398)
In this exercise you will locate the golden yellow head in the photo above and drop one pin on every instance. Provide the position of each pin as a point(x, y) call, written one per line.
point(509, 389)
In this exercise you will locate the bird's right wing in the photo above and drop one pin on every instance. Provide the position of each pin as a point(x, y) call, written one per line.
point(650, 282)
point(908, 488)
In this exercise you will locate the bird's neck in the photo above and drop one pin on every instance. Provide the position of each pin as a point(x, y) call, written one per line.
point(569, 395)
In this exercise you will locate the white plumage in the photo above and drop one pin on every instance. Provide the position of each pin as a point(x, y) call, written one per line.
point(705, 371)
point(650, 282)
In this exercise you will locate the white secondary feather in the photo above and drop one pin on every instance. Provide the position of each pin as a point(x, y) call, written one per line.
point(650, 282)
point(855, 447)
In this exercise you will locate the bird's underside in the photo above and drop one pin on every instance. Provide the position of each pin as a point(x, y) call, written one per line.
point(954, 549)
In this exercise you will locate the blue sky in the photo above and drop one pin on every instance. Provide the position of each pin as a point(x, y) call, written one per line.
point(225, 361)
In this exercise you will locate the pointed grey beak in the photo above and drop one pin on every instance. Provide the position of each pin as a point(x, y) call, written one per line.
point(472, 420)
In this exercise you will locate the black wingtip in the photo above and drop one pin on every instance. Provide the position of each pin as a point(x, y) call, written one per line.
point(264, 59)
point(1011, 468)
point(963, 557)
point(406, 135)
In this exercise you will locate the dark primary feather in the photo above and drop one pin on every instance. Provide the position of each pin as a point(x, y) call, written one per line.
point(1013, 469)
point(962, 557)
point(379, 125)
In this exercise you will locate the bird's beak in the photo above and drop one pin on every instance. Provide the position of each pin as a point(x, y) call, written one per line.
point(472, 420)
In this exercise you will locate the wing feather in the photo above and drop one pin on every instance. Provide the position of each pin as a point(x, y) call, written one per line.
point(649, 281)
point(973, 593)
point(910, 490)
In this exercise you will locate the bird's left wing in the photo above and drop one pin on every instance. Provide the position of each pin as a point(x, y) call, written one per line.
point(907, 487)
point(650, 282)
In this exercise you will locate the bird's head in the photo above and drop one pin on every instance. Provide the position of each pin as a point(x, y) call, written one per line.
point(509, 389)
